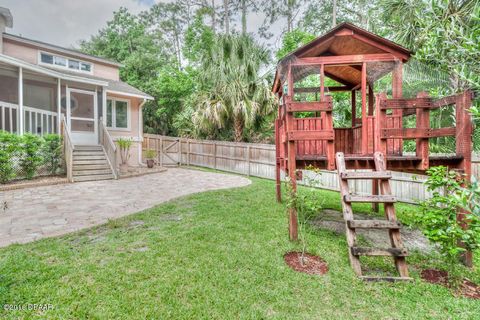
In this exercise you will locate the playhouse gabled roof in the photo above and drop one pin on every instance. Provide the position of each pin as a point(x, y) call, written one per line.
point(346, 39)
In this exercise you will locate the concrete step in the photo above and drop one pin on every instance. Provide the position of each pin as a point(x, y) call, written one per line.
point(88, 162)
point(87, 148)
point(96, 177)
point(104, 166)
point(88, 153)
point(91, 172)
point(89, 157)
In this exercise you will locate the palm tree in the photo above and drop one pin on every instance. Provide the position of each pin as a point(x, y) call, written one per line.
point(233, 92)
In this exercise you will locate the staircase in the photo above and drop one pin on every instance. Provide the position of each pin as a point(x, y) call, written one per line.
point(90, 163)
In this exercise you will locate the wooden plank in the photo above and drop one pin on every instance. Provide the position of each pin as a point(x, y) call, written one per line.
point(370, 198)
point(388, 252)
point(415, 133)
point(329, 89)
point(347, 214)
point(366, 175)
point(364, 110)
point(310, 135)
point(309, 106)
point(383, 278)
point(345, 59)
point(422, 145)
point(414, 103)
point(291, 161)
point(373, 224)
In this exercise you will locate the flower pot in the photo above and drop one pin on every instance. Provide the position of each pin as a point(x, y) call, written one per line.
point(150, 163)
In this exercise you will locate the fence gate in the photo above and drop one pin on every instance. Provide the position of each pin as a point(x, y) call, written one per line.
point(167, 149)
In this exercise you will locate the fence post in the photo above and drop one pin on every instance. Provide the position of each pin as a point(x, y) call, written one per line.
point(160, 154)
point(188, 152)
point(215, 155)
point(179, 152)
point(248, 161)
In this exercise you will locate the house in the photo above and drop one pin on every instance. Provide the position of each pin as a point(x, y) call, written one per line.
point(45, 88)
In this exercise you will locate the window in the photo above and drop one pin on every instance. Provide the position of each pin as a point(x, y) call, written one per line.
point(73, 64)
point(118, 114)
point(63, 62)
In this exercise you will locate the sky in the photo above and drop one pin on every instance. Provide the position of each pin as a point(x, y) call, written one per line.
point(66, 22)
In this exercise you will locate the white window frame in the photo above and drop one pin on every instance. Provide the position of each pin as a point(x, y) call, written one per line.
point(114, 114)
point(53, 65)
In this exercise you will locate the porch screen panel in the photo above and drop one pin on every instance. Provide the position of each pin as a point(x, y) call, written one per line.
point(82, 112)
point(8, 98)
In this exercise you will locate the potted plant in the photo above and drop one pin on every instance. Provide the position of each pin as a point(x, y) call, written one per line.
point(124, 145)
point(150, 157)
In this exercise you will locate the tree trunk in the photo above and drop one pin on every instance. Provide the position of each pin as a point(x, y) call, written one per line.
point(334, 14)
point(214, 17)
point(244, 17)
point(226, 16)
point(238, 128)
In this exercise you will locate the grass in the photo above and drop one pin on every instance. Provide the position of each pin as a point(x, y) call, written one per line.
point(214, 255)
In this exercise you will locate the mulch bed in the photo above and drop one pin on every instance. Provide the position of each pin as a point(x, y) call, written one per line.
point(35, 182)
point(466, 289)
point(311, 264)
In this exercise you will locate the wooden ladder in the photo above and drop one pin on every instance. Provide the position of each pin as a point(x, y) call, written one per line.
point(391, 224)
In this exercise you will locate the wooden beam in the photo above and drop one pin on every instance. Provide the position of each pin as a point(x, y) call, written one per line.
point(292, 164)
point(376, 44)
point(309, 106)
point(322, 82)
point(364, 110)
point(416, 133)
point(370, 100)
point(423, 122)
point(397, 92)
point(330, 89)
point(415, 103)
point(346, 59)
point(354, 107)
point(310, 135)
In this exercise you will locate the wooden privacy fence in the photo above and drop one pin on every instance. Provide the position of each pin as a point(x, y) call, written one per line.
point(254, 159)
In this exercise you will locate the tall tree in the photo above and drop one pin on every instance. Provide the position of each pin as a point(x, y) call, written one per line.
point(233, 93)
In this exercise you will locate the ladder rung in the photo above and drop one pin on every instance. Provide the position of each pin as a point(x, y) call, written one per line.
point(370, 198)
point(373, 224)
point(389, 252)
point(385, 278)
point(367, 175)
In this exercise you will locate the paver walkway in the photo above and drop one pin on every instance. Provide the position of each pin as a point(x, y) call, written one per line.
point(30, 214)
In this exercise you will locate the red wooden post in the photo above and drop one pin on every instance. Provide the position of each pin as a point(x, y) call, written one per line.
point(277, 159)
point(381, 121)
point(423, 122)
point(370, 100)
point(292, 165)
point(464, 148)
point(354, 108)
point(397, 92)
point(330, 143)
point(364, 110)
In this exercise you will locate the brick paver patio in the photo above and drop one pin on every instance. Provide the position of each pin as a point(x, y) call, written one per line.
point(30, 214)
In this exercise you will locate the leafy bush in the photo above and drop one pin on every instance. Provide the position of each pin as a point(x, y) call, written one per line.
point(438, 216)
point(124, 144)
point(52, 152)
point(30, 158)
point(150, 154)
point(8, 148)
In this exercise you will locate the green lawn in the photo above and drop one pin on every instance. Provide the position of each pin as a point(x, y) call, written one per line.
point(215, 255)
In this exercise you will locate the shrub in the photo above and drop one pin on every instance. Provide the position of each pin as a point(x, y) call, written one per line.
point(8, 149)
point(150, 154)
point(30, 158)
point(124, 144)
point(52, 152)
point(438, 216)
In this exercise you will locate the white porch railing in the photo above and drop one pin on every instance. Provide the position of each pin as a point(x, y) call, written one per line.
point(8, 114)
point(109, 146)
point(67, 149)
point(36, 121)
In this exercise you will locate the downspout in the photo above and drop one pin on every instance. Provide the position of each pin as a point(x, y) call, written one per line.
point(140, 132)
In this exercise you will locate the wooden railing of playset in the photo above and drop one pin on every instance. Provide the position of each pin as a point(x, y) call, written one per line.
point(421, 107)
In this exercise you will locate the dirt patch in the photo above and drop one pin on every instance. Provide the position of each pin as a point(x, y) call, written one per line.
point(311, 264)
point(413, 239)
point(466, 289)
point(435, 276)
